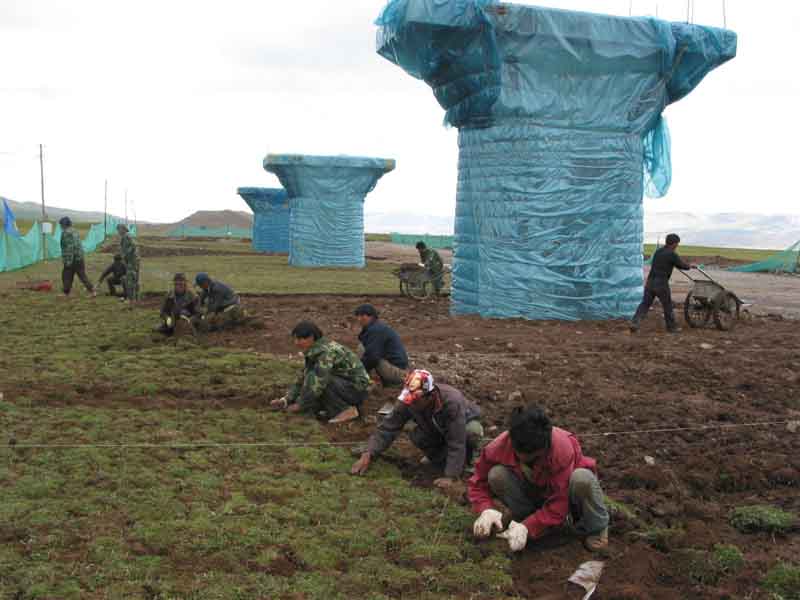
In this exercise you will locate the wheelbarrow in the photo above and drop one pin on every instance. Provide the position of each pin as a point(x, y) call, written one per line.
point(708, 299)
point(415, 281)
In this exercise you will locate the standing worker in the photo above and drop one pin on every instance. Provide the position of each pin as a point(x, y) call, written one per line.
point(665, 259)
point(448, 428)
point(540, 474)
point(116, 276)
point(130, 255)
point(73, 258)
point(430, 259)
point(381, 348)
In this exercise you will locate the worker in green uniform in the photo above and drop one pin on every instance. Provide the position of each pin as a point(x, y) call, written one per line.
point(430, 259)
point(130, 256)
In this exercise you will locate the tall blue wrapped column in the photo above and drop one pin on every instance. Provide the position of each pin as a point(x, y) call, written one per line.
point(326, 199)
point(560, 132)
point(270, 208)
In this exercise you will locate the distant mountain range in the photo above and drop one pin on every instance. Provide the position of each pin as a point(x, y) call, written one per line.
point(733, 230)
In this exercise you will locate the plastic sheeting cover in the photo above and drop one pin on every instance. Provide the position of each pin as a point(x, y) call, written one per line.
point(787, 261)
point(326, 200)
point(560, 133)
point(270, 208)
point(19, 252)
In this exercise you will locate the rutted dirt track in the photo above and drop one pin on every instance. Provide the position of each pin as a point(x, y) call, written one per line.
point(603, 384)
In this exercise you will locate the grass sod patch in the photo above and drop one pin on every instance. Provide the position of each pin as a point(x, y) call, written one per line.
point(188, 522)
point(761, 518)
point(183, 522)
point(783, 581)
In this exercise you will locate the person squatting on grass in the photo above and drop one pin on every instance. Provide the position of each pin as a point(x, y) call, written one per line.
point(540, 475)
point(73, 258)
point(334, 383)
point(448, 427)
point(380, 347)
point(180, 309)
point(114, 275)
point(130, 255)
point(222, 304)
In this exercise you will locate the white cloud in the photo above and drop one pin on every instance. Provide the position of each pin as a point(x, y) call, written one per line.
point(179, 101)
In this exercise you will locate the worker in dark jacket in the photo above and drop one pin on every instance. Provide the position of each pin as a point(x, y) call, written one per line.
point(448, 428)
point(664, 261)
point(222, 304)
point(180, 309)
point(114, 275)
point(381, 348)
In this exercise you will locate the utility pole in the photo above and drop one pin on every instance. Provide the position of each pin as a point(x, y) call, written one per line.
point(44, 213)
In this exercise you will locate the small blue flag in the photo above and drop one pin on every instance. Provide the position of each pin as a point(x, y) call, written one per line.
point(10, 220)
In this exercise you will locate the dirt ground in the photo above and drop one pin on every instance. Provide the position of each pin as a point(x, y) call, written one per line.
point(626, 397)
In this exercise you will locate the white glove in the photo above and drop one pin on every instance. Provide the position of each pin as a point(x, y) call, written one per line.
point(489, 519)
point(421, 265)
point(517, 536)
point(168, 320)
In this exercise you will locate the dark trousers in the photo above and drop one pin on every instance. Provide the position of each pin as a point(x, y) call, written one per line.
point(434, 445)
point(340, 395)
point(664, 295)
point(112, 290)
point(68, 276)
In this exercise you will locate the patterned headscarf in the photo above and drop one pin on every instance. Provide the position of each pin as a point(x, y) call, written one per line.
point(409, 396)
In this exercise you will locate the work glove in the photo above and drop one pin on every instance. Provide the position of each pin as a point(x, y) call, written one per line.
point(517, 536)
point(421, 265)
point(489, 519)
point(168, 321)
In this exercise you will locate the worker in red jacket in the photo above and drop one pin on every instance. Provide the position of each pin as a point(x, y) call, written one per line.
point(540, 474)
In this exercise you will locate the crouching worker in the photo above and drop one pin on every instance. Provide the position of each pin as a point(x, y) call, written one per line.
point(382, 350)
point(540, 475)
point(333, 384)
point(448, 429)
point(114, 275)
point(222, 304)
point(179, 311)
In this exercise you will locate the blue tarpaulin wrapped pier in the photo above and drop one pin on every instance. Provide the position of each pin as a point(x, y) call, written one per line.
point(270, 208)
point(560, 135)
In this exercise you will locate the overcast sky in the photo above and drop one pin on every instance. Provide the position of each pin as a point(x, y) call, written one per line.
point(180, 100)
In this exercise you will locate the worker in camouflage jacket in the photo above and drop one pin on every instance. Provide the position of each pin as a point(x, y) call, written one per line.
point(430, 259)
point(130, 256)
point(222, 304)
point(114, 275)
point(180, 310)
point(73, 258)
point(334, 382)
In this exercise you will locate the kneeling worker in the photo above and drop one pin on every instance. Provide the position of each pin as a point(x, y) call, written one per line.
point(448, 430)
point(180, 309)
point(382, 350)
point(333, 382)
point(222, 304)
point(540, 474)
point(116, 276)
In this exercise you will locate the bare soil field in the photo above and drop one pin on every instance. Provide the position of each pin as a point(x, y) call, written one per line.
point(696, 404)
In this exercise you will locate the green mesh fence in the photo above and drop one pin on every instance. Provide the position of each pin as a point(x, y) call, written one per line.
point(184, 231)
point(20, 252)
point(782, 262)
point(431, 241)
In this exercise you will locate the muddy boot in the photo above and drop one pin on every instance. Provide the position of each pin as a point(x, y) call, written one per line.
point(634, 327)
point(675, 329)
point(597, 542)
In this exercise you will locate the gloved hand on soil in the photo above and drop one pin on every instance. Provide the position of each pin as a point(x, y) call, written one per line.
point(362, 464)
point(517, 536)
point(168, 321)
point(444, 482)
point(489, 520)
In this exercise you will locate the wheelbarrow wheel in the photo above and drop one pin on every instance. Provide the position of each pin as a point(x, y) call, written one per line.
point(726, 311)
point(696, 312)
point(420, 290)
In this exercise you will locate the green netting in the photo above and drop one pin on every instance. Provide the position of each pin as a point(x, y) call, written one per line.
point(20, 252)
point(184, 231)
point(431, 241)
point(787, 261)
